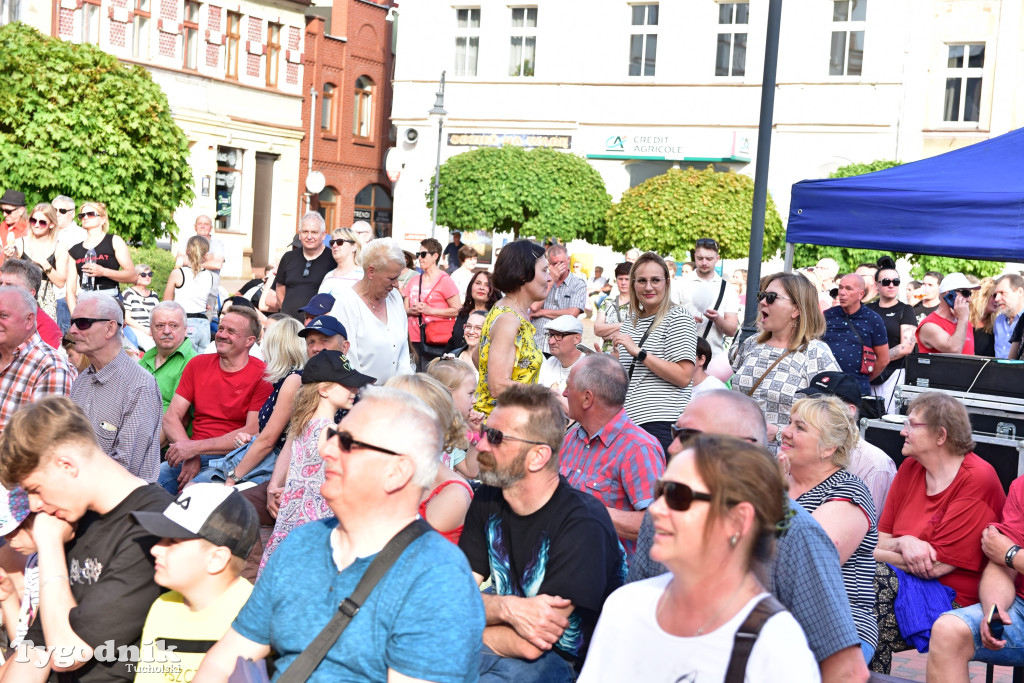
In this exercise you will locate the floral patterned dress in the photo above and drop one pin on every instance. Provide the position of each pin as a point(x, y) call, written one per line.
point(301, 501)
point(527, 364)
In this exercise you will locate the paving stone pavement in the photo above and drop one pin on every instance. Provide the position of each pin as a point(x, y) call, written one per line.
point(911, 665)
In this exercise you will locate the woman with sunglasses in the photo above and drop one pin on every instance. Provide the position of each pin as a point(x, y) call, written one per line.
point(715, 519)
point(657, 346)
point(480, 296)
point(900, 325)
point(139, 301)
point(190, 285)
point(40, 246)
point(347, 252)
point(431, 302)
point(109, 263)
point(815, 450)
point(787, 351)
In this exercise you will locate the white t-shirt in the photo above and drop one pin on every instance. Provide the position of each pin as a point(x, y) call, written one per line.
point(628, 644)
point(710, 383)
point(552, 372)
point(461, 278)
point(698, 295)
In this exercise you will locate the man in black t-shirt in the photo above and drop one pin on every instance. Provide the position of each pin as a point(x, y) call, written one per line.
point(95, 591)
point(301, 271)
point(930, 295)
point(550, 550)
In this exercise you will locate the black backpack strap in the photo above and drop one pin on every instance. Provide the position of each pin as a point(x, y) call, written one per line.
point(307, 662)
point(747, 635)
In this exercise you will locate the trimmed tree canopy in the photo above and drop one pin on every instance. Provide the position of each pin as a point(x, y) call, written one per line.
point(672, 211)
point(81, 123)
point(535, 193)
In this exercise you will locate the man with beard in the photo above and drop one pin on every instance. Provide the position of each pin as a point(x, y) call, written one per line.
point(551, 550)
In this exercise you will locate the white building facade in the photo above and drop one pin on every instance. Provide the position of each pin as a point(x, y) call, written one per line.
point(637, 88)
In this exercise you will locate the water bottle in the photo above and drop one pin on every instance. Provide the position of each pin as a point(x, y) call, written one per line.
point(88, 281)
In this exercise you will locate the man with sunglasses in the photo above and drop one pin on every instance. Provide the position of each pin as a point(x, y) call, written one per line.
point(424, 618)
point(709, 298)
point(805, 577)
point(948, 329)
point(550, 549)
point(851, 326)
point(15, 222)
point(301, 271)
point(69, 234)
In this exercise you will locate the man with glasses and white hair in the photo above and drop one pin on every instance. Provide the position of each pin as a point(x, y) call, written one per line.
point(424, 618)
point(551, 550)
point(709, 298)
point(117, 395)
point(170, 354)
point(301, 271)
point(69, 234)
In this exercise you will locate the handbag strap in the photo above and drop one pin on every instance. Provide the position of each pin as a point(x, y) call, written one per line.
point(854, 328)
point(632, 365)
point(419, 292)
point(307, 662)
point(770, 368)
point(746, 636)
point(721, 295)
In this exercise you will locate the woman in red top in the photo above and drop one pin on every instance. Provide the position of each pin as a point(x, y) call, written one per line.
point(942, 498)
point(433, 299)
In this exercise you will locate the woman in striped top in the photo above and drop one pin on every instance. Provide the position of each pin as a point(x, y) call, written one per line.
point(657, 346)
point(815, 449)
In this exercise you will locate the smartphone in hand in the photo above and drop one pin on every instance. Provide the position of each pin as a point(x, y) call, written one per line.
point(995, 624)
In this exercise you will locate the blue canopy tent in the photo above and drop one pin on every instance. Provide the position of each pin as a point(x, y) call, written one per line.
point(968, 203)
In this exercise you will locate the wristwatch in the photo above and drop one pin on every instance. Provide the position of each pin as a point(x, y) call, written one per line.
point(1010, 554)
point(641, 357)
point(231, 474)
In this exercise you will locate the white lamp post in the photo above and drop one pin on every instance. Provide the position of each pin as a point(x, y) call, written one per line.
point(439, 113)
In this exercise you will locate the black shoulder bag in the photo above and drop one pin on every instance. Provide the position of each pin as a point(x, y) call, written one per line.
point(711, 323)
point(747, 635)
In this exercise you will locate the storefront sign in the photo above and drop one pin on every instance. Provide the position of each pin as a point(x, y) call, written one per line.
point(667, 144)
point(517, 139)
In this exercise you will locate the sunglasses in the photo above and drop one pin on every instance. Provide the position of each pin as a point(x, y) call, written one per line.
point(423, 254)
point(770, 297)
point(684, 434)
point(678, 496)
point(146, 274)
point(887, 282)
point(87, 214)
point(10, 210)
point(965, 293)
point(62, 211)
point(495, 437)
point(346, 442)
point(339, 242)
point(85, 323)
point(706, 243)
point(305, 273)
point(43, 222)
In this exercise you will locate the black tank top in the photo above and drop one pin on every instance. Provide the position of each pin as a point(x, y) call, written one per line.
point(104, 257)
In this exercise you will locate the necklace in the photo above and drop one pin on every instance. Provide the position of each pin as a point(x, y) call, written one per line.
point(369, 300)
point(718, 613)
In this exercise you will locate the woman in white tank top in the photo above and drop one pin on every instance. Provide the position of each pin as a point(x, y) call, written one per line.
point(190, 286)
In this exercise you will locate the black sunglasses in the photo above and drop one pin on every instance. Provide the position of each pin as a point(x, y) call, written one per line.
point(305, 273)
point(147, 273)
point(965, 293)
point(423, 254)
point(65, 210)
point(770, 297)
point(886, 282)
point(85, 323)
point(678, 496)
point(684, 434)
point(87, 214)
point(346, 442)
point(339, 242)
point(495, 437)
point(9, 211)
point(706, 243)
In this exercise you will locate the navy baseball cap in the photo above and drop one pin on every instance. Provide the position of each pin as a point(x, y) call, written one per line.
point(834, 384)
point(332, 366)
point(321, 304)
point(324, 324)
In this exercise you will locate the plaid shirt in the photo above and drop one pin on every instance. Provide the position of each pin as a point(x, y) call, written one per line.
point(618, 466)
point(123, 404)
point(36, 371)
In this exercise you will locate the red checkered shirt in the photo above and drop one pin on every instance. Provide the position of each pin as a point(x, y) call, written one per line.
point(36, 371)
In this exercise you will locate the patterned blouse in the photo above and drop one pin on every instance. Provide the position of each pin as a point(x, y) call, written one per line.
point(526, 366)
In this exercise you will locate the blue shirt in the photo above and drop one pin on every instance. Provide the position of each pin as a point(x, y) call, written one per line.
point(845, 345)
point(1002, 331)
point(424, 619)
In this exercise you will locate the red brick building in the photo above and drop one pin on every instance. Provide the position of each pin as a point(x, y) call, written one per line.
point(348, 61)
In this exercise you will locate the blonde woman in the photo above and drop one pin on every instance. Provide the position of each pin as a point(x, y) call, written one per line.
point(190, 286)
point(40, 246)
point(102, 260)
point(984, 310)
point(347, 251)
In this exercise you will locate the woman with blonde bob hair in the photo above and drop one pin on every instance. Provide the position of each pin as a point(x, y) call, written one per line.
point(445, 506)
point(786, 353)
point(815, 449)
point(657, 346)
point(717, 512)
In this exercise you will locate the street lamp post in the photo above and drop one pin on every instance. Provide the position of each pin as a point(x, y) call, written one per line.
point(439, 113)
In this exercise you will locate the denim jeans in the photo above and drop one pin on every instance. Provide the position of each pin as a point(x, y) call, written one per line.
point(548, 668)
point(199, 333)
point(1012, 654)
point(168, 478)
point(63, 315)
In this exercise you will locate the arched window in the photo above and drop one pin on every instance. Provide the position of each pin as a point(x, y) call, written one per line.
point(373, 204)
point(327, 109)
point(328, 201)
point(361, 121)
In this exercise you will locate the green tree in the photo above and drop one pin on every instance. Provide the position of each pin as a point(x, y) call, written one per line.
point(79, 122)
point(536, 193)
point(671, 211)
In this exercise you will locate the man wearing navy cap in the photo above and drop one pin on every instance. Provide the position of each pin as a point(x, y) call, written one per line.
point(321, 304)
point(325, 332)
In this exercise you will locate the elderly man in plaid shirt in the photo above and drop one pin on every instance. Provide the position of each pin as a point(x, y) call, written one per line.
point(606, 455)
point(31, 369)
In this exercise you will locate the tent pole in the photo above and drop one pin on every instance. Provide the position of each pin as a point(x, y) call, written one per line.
point(764, 145)
point(788, 266)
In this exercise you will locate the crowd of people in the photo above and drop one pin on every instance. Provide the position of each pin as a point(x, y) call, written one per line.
point(390, 466)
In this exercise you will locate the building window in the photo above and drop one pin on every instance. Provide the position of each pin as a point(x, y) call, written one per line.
point(273, 53)
point(373, 205)
point(190, 32)
point(328, 207)
point(964, 67)
point(847, 56)
point(231, 40)
point(327, 109)
point(140, 30)
point(361, 121)
point(643, 47)
point(523, 57)
point(9, 11)
point(90, 23)
point(467, 41)
point(229, 188)
point(731, 58)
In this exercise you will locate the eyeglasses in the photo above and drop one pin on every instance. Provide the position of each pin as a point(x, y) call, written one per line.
point(678, 496)
point(346, 442)
point(706, 243)
point(770, 297)
point(558, 336)
point(87, 214)
point(910, 424)
point(42, 221)
point(684, 434)
point(65, 210)
point(654, 281)
point(495, 437)
point(305, 273)
point(338, 243)
point(887, 282)
point(473, 328)
point(423, 254)
point(85, 323)
point(146, 274)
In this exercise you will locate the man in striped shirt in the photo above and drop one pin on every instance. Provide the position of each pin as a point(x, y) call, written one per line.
point(31, 369)
point(606, 455)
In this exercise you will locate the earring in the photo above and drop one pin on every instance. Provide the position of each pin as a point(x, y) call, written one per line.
point(733, 540)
